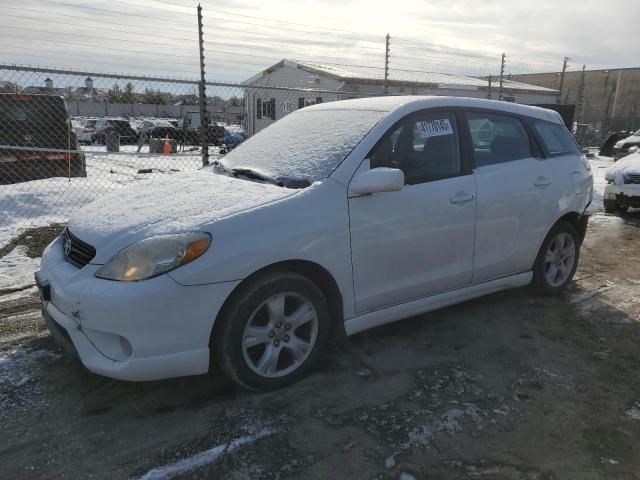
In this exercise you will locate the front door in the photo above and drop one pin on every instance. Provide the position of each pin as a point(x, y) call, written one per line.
point(417, 241)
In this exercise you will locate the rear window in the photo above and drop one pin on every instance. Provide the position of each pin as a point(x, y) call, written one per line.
point(556, 139)
point(32, 109)
point(34, 121)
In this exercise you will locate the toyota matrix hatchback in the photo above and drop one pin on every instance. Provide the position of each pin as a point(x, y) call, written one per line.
point(336, 219)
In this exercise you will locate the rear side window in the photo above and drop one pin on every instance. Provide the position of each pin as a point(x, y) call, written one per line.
point(497, 138)
point(556, 139)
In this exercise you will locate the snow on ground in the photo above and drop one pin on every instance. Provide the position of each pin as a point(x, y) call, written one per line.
point(203, 458)
point(599, 166)
point(16, 270)
point(52, 200)
point(19, 386)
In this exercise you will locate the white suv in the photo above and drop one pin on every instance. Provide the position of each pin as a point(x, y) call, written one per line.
point(338, 218)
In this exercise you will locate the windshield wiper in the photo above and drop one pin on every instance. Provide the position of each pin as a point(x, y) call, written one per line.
point(254, 174)
point(250, 173)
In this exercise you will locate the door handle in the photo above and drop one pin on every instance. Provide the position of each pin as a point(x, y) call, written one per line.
point(543, 181)
point(461, 198)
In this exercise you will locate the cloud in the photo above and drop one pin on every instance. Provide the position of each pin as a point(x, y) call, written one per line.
point(159, 37)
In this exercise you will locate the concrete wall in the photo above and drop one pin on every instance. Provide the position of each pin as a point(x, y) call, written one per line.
point(218, 113)
point(611, 97)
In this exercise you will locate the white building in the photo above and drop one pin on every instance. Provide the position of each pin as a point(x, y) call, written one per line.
point(287, 80)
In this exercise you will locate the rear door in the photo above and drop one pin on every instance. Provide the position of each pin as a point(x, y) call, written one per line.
point(517, 194)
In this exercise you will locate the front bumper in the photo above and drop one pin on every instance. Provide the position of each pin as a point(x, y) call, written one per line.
point(145, 330)
point(627, 194)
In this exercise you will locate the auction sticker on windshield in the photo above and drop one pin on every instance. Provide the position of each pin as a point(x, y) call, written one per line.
point(434, 128)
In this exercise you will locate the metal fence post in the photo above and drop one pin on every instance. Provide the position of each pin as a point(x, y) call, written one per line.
point(202, 97)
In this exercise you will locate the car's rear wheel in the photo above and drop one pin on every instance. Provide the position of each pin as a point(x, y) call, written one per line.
point(557, 260)
point(272, 331)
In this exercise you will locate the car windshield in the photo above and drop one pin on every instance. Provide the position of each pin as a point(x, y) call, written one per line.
point(637, 134)
point(305, 146)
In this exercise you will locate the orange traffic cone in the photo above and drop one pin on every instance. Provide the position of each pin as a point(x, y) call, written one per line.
point(166, 148)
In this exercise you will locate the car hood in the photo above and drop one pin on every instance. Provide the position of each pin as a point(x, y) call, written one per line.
point(629, 164)
point(176, 203)
point(631, 139)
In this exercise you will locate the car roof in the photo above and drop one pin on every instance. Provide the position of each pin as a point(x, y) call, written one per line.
point(408, 104)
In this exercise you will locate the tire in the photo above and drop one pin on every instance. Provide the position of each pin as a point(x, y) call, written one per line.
point(541, 282)
point(251, 309)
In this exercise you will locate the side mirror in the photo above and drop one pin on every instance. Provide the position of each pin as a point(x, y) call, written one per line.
point(380, 179)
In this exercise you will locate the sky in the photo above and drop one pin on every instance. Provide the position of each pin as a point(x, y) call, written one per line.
point(241, 38)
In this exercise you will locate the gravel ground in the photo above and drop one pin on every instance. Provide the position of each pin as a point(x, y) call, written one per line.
point(510, 386)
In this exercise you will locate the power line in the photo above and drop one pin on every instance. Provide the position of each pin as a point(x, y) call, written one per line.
point(84, 45)
point(101, 22)
point(116, 12)
point(91, 61)
point(101, 27)
point(98, 37)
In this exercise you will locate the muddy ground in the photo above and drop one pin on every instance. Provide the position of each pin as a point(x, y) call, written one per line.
point(510, 386)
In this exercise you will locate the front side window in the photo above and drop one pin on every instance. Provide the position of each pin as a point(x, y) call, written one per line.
point(424, 146)
point(556, 139)
point(497, 138)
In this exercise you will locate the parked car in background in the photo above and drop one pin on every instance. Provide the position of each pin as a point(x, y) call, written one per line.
point(606, 149)
point(626, 146)
point(623, 184)
point(158, 129)
point(38, 122)
point(192, 127)
point(335, 219)
point(120, 126)
point(85, 130)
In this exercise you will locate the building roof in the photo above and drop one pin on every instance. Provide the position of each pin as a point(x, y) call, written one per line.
point(356, 74)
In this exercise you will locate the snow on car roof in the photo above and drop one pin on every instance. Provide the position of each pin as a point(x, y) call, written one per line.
point(413, 102)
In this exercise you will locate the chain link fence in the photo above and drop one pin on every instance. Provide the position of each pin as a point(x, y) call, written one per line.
point(67, 137)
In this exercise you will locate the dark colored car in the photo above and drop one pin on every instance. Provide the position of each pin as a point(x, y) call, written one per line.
point(626, 145)
point(159, 129)
point(37, 122)
point(120, 126)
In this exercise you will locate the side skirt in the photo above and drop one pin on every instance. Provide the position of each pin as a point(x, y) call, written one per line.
point(386, 315)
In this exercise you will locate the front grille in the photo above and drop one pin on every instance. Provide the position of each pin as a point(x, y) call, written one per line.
point(76, 251)
point(632, 178)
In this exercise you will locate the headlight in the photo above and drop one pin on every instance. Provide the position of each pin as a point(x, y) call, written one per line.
point(634, 149)
point(619, 144)
point(154, 256)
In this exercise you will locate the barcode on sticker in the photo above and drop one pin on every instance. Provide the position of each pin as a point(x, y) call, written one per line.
point(434, 128)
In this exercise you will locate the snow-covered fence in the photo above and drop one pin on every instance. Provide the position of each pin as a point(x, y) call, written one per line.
point(67, 136)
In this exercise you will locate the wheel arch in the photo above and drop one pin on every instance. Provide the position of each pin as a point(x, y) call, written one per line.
point(577, 220)
point(314, 272)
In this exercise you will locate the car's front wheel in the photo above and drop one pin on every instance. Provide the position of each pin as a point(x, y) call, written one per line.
point(272, 331)
point(557, 259)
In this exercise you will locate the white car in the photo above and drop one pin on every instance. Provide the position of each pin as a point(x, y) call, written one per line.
point(85, 131)
point(623, 184)
point(626, 146)
point(338, 218)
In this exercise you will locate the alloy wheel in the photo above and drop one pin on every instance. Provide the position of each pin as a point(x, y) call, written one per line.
point(560, 259)
point(280, 335)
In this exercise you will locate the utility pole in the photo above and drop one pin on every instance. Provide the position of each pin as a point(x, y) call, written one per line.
point(202, 100)
point(564, 70)
point(500, 92)
point(581, 96)
point(489, 94)
point(386, 64)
